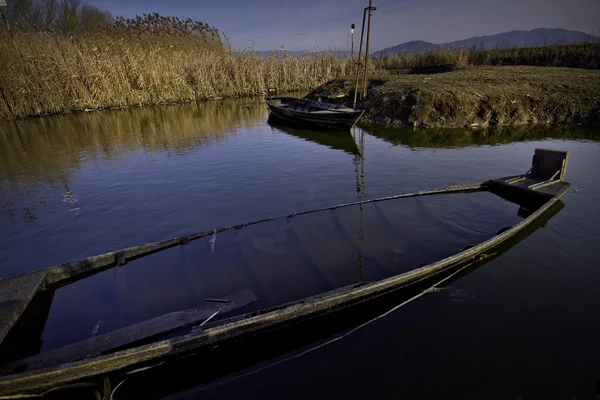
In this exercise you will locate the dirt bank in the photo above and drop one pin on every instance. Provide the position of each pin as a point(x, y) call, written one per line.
point(477, 96)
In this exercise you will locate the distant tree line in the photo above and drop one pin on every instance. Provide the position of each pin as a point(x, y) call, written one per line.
point(77, 18)
point(67, 17)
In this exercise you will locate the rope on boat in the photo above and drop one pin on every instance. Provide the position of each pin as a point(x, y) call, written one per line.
point(85, 266)
point(432, 289)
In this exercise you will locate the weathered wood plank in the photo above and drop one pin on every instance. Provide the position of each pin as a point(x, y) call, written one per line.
point(16, 294)
point(530, 187)
point(100, 344)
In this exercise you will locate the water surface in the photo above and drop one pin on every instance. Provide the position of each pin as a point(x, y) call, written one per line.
point(524, 325)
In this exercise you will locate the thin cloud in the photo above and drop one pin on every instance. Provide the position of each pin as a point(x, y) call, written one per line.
point(301, 33)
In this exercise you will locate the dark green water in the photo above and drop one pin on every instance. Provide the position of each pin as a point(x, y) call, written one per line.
point(525, 325)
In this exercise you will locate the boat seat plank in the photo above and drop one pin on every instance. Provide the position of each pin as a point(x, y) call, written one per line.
point(527, 185)
point(16, 294)
point(548, 168)
point(518, 182)
point(119, 338)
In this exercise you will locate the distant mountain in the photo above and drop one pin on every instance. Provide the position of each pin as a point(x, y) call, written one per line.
point(535, 37)
point(414, 46)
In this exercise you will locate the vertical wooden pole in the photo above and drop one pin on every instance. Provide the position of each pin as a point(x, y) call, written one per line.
point(367, 51)
point(359, 53)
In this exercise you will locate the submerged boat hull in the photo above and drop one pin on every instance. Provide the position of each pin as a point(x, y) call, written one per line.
point(207, 335)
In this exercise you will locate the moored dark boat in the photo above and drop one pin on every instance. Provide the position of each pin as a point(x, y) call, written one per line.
point(132, 348)
point(311, 112)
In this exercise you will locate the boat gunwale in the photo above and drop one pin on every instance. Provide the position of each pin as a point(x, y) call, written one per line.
point(253, 323)
point(61, 274)
point(347, 115)
point(341, 110)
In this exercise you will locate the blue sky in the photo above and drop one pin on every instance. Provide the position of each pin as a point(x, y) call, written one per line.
point(302, 25)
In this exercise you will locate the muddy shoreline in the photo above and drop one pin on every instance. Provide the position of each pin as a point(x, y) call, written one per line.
point(476, 97)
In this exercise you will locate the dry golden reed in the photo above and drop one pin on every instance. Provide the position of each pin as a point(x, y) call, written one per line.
point(49, 73)
point(582, 55)
point(157, 60)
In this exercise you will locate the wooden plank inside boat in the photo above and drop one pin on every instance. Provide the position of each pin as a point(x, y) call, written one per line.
point(16, 293)
point(164, 324)
point(545, 178)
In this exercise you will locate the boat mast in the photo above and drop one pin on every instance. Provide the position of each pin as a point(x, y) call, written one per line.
point(367, 50)
point(359, 54)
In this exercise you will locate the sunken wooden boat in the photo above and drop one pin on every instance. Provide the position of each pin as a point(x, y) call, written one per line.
point(135, 348)
point(311, 112)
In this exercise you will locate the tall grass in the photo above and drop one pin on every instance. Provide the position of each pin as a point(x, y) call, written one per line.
point(584, 55)
point(459, 57)
point(156, 60)
point(140, 63)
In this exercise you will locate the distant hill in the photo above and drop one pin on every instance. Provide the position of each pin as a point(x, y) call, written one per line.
point(535, 37)
point(414, 46)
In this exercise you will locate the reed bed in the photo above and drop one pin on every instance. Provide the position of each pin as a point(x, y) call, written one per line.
point(458, 57)
point(583, 55)
point(153, 59)
point(50, 73)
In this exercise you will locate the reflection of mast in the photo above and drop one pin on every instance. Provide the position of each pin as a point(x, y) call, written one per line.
point(361, 192)
point(362, 164)
point(69, 196)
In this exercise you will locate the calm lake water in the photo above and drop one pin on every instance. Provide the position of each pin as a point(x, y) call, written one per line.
point(523, 326)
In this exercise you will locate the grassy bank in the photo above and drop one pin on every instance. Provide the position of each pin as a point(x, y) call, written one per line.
point(584, 55)
point(50, 73)
point(478, 96)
